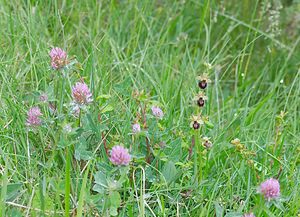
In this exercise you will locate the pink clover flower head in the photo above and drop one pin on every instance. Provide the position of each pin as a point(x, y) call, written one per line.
point(81, 94)
point(119, 156)
point(157, 112)
point(58, 58)
point(43, 97)
point(136, 128)
point(33, 117)
point(249, 215)
point(270, 189)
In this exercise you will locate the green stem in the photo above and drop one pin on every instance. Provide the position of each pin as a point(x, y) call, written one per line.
point(83, 193)
point(200, 168)
point(261, 207)
point(79, 118)
point(56, 90)
point(4, 183)
point(43, 146)
point(195, 158)
point(204, 12)
point(61, 100)
point(198, 150)
point(67, 183)
point(42, 197)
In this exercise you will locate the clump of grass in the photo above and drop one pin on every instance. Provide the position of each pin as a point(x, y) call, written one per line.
point(124, 77)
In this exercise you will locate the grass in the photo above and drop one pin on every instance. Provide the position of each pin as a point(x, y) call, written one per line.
point(158, 47)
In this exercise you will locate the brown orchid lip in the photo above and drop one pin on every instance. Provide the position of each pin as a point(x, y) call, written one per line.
point(196, 125)
point(200, 102)
point(207, 144)
point(202, 84)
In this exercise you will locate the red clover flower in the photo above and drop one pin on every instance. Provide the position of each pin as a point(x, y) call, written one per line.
point(81, 94)
point(58, 58)
point(157, 112)
point(33, 117)
point(270, 189)
point(119, 156)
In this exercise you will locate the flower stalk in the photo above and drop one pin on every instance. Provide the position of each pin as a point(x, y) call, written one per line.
point(196, 122)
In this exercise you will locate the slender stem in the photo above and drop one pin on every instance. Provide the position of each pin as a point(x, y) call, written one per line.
point(42, 198)
point(103, 137)
point(148, 150)
point(4, 186)
point(43, 147)
point(195, 158)
point(61, 100)
point(79, 118)
point(67, 183)
point(105, 143)
point(261, 206)
point(198, 147)
point(148, 158)
point(132, 146)
point(56, 84)
point(191, 148)
point(83, 193)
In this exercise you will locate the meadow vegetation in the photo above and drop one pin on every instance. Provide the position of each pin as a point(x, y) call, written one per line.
point(150, 108)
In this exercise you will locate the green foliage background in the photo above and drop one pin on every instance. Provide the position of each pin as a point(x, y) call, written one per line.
point(159, 47)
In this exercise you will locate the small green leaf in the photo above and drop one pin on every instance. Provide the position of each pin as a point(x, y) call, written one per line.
point(107, 108)
point(101, 182)
point(169, 171)
point(115, 199)
point(99, 188)
point(233, 214)
point(100, 179)
point(209, 124)
point(13, 190)
point(82, 154)
point(219, 210)
point(115, 202)
point(113, 211)
point(103, 96)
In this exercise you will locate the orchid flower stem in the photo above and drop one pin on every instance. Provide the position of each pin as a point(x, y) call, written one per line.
point(200, 167)
point(199, 153)
point(195, 158)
